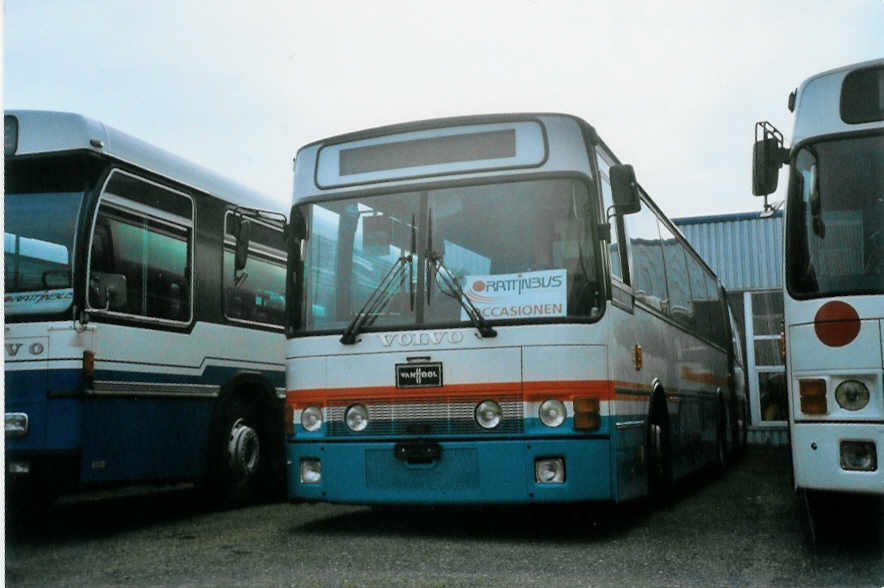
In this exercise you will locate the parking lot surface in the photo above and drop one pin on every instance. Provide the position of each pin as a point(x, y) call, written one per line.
point(742, 529)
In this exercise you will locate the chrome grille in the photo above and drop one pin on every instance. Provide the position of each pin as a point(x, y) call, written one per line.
point(426, 416)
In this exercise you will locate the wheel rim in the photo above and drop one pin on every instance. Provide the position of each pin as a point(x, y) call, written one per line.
point(244, 449)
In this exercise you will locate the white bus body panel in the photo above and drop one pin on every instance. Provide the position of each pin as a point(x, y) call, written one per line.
point(817, 106)
point(816, 439)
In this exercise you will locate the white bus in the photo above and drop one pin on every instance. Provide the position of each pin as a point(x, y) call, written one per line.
point(140, 345)
point(489, 309)
point(834, 275)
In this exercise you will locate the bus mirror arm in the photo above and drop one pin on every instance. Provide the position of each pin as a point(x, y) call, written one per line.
point(604, 230)
point(81, 319)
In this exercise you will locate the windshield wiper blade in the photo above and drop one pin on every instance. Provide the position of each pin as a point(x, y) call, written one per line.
point(379, 298)
point(434, 260)
point(382, 294)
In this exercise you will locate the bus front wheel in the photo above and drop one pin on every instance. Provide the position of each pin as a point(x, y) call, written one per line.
point(241, 449)
point(659, 455)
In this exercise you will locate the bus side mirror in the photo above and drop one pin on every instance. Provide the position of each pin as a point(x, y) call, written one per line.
point(624, 189)
point(241, 254)
point(768, 155)
point(765, 166)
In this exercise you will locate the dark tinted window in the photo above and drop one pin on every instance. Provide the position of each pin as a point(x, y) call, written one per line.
point(257, 293)
point(862, 96)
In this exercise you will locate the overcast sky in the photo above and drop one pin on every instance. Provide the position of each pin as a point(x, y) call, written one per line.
point(673, 87)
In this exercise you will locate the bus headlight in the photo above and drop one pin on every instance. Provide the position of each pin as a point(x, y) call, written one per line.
point(311, 418)
point(488, 414)
point(16, 424)
point(549, 470)
point(356, 417)
point(552, 412)
point(311, 471)
point(859, 456)
point(852, 395)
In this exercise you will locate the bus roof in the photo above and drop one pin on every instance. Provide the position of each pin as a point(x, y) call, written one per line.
point(41, 131)
point(818, 104)
point(433, 123)
point(542, 141)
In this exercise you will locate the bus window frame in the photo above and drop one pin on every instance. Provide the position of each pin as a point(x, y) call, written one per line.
point(261, 251)
point(155, 215)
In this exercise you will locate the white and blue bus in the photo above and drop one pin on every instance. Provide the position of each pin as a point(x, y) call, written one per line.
point(489, 309)
point(144, 304)
point(834, 275)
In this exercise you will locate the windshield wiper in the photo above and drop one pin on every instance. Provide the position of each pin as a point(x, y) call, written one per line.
point(455, 291)
point(383, 293)
point(434, 260)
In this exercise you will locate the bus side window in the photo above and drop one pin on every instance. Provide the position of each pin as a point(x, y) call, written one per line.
point(677, 284)
point(616, 253)
point(648, 277)
point(257, 294)
point(141, 249)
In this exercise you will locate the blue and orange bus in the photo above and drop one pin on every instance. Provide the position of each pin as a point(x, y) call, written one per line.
point(490, 309)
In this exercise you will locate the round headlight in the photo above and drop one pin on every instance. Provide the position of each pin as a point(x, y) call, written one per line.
point(852, 395)
point(311, 418)
point(356, 417)
point(552, 412)
point(488, 414)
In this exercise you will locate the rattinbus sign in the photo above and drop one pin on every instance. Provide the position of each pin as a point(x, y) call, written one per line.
point(523, 295)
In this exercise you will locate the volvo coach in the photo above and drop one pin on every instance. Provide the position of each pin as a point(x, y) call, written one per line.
point(490, 309)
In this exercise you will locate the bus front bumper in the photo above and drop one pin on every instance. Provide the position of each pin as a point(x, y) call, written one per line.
point(839, 457)
point(455, 472)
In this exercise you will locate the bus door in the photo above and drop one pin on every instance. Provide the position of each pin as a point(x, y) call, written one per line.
point(139, 413)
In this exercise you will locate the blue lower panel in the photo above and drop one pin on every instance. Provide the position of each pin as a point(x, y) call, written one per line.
point(132, 439)
point(466, 473)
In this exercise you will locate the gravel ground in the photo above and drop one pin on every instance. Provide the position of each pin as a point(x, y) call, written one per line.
point(743, 529)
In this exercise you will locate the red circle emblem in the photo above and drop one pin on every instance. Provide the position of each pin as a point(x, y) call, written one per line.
point(478, 286)
point(836, 323)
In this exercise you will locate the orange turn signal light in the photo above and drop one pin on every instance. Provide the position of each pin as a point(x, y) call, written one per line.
point(813, 396)
point(89, 364)
point(586, 413)
point(289, 414)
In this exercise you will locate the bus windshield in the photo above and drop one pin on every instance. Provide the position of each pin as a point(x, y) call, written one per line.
point(520, 251)
point(42, 202)
point(835, 228)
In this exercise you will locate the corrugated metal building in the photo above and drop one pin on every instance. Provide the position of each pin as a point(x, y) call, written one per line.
point(746, 252)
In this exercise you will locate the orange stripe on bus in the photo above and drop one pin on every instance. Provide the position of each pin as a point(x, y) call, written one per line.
point(529, 392)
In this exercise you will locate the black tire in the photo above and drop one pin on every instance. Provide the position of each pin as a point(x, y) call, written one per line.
point(28, 503)
point(742, 433)
point(243, 454)
point(659, 451)
point(721, 450)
